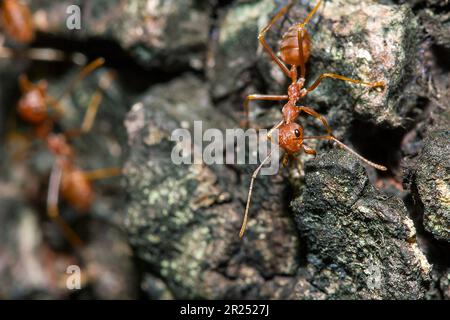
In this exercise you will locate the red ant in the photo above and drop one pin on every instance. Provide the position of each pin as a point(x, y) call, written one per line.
point(17, 21)
point(66, 178)
point(295, 50)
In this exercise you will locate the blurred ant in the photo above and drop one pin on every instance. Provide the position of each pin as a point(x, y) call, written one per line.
point(295, 50)
point(17, 21)
point(66, 178)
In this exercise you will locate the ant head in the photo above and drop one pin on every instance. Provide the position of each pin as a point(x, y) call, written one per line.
point(290, 137)
point(57, 143)
point(32, 105)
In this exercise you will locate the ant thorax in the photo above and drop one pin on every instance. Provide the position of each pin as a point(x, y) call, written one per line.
point(296, 90)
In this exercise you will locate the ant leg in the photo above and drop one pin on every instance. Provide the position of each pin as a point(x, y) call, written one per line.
point(91, 112)
point(301, 53)
point(300, 36)
point(89, 117)
point(377, 84)
point(88, 69)
point(353, 152)
point(309, 151)
point(285, 160)
point(260, 97)
point(102, 173)
point(313, 11)
point(316, 115)
point(92, 109)
point(263, 42)
point(52, 207)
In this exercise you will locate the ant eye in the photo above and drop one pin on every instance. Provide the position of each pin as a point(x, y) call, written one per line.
point(297, 133)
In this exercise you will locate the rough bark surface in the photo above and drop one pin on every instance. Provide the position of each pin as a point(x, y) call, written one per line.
point(324, 228)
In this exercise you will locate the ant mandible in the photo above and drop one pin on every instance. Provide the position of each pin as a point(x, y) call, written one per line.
point(17, 21)
point(66, 177)
point(295, 50)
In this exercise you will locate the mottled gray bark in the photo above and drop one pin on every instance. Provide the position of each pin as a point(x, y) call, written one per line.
point(324, 228)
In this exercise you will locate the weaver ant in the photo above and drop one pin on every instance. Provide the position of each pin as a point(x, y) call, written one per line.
point(35, 107)
point(295, 50)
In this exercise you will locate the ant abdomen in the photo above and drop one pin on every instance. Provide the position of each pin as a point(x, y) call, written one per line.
point(289, 49)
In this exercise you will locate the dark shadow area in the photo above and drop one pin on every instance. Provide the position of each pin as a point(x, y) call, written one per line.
point(134, 77)
point(442, 55)
point(380, 145)
point(437, 251)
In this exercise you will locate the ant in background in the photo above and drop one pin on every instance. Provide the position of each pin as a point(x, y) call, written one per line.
point(17, 21)
point(41, 110)
point(295, 50)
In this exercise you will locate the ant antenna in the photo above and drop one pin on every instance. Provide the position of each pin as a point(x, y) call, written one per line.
point(310, 15)
point(353, 152)
point(360, 157)
point(249, 197)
